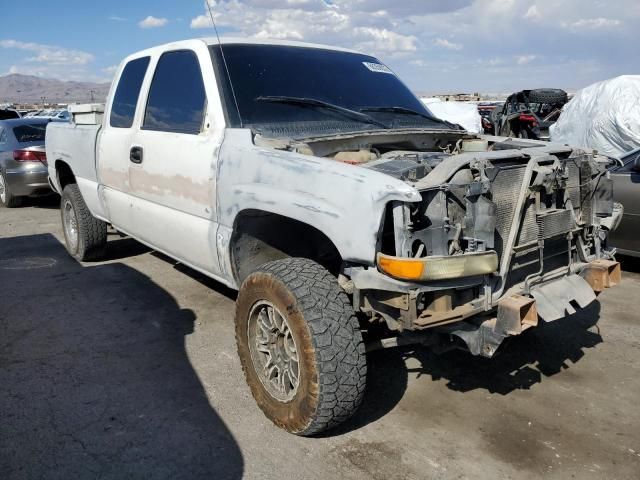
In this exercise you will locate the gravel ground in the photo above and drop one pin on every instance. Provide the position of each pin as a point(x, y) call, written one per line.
point(127, 369)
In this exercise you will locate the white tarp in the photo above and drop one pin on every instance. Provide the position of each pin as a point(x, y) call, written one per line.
point(465, 114)
point(604, 116)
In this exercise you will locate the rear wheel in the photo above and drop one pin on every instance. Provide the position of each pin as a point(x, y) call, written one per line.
point(7, 199)
point(300, 346)
point(85, 236)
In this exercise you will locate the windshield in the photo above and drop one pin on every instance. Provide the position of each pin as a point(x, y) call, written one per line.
point(32, 132)
point(276, 85)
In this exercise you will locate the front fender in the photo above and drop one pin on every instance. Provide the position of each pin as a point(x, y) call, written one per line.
point(345, 202)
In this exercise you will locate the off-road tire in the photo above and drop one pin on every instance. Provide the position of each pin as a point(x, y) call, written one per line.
point(10, 200)
point(332, 364)
point(92, 232)
point(548, 95)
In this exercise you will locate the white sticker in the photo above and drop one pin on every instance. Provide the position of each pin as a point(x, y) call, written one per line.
point(377, 67)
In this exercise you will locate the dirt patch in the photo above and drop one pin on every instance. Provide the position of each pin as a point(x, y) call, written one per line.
point(379, 460)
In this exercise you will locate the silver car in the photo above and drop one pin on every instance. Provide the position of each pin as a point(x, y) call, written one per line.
point(23, 162)
point(626, 190)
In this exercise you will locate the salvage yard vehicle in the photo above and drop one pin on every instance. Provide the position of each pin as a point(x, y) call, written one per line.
point(8, 113)
point(23, 162)
point(486, 109)
point(312, 180)
point(626, 181)
point(529, 113)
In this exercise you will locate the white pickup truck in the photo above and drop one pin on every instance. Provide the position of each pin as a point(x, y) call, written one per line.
point(312, 180)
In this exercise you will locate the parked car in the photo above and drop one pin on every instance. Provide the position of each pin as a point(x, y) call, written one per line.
point(626, 181)
point(63, 115)
point(23, 161)
point(529, 113)
point(312, 180)
point(8, 113)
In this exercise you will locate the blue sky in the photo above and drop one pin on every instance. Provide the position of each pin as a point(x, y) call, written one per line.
point(435, 45)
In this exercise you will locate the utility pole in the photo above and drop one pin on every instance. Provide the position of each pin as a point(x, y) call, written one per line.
point(43, 99)
point(92, 92)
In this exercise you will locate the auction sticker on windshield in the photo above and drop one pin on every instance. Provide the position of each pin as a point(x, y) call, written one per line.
point(377, 67)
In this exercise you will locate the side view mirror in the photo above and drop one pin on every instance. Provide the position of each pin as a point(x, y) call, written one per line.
point(636, 164)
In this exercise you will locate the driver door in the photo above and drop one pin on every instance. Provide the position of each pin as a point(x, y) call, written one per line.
point(173, 161)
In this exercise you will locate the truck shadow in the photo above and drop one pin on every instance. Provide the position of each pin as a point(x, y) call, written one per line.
point(96, 380)
point(50, 201)
point(524, 362)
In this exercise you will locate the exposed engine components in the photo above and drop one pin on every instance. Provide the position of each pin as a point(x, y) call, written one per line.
point(407, 165)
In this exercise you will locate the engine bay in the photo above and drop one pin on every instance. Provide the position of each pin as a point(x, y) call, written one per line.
point(407, 156)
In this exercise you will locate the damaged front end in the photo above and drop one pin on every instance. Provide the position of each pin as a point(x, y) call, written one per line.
point(507, 232)
point(503, 237)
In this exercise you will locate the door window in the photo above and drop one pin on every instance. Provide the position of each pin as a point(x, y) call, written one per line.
point(126, 98)
point(177, 97)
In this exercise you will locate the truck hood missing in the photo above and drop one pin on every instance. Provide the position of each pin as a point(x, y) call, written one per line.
point(421, 157)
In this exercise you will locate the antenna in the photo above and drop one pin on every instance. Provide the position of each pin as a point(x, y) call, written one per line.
point(224, 61)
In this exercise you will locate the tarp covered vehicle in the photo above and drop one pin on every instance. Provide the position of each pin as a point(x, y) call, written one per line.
point(604, 116)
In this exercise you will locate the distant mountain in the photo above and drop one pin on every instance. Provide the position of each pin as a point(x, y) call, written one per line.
point(30, 89)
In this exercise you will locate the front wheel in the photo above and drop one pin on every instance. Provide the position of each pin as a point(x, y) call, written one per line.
point(300, 346)
point(85, 236)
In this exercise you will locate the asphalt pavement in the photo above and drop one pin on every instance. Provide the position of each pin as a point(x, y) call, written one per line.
point(127, 369)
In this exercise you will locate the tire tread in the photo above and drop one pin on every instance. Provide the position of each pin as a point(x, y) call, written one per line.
point(92, 232)
point(335, 335)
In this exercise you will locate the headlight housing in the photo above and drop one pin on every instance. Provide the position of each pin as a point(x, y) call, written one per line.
point(438, 267)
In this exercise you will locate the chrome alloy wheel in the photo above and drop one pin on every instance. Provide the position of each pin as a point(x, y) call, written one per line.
point(3, 189)
point(70, 224)
point(273, 351)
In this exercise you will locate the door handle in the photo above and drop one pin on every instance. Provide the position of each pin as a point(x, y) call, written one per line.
point(135, 155)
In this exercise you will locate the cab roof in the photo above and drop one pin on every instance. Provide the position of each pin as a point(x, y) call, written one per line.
point(258, 41)
point(228, 41)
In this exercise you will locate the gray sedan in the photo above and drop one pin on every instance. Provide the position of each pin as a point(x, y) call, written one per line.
point(626, 190)
point(23, 162)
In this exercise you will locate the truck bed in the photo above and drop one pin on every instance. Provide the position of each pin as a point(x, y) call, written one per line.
point(75, 145)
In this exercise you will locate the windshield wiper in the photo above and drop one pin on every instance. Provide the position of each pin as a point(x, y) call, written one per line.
point(312, 102)
point(406, 111)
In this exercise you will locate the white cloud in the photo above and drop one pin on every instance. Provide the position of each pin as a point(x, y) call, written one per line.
point(383, 40)
point(593, 23)
point(363, 25)
point(201, 21)
point(525, 59)
point(152, 22)
point(533, 13)
point(415, 36)
point(116, 18)
point(49, 54)
point(444, 43)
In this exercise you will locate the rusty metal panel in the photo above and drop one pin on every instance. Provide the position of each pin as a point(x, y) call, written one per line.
point(515, 314)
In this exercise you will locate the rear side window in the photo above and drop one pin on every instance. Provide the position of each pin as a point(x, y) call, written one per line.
point(126, 98)
point(30, 132)
point(176, 98)
point(8, 114)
